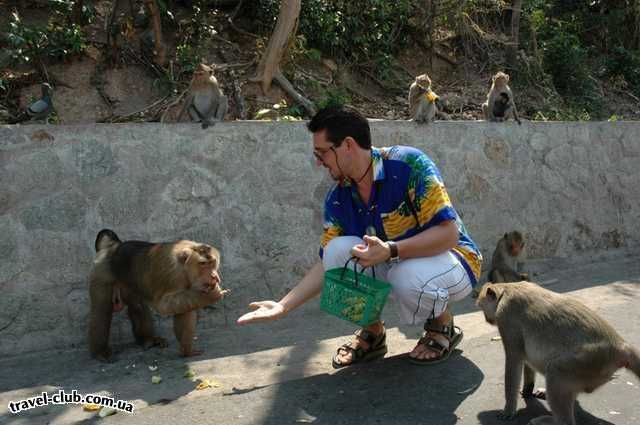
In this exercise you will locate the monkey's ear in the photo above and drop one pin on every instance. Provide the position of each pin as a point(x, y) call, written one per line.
point(491, 294)
point(183, 256)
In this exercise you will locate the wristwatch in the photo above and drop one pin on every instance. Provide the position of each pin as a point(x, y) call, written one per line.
point(393, 257)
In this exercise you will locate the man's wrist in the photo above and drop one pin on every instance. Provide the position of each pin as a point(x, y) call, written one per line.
point(394, 256)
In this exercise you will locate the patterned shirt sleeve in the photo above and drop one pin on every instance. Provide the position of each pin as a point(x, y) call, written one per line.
point(428, 194)
point(332, 227)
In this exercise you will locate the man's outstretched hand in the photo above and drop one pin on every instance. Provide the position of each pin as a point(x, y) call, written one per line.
point(262, 311)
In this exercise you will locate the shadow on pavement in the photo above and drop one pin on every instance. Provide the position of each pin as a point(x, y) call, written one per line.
point(535, 408)
point(389, 391)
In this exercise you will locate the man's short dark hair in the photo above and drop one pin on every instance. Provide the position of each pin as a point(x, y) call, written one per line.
point(340, 123)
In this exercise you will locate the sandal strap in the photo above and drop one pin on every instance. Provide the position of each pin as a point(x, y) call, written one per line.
point(370, 338)
point(446, 330)
point(436, 346)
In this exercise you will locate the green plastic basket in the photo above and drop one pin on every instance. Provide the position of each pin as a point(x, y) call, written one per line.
point(353, 296)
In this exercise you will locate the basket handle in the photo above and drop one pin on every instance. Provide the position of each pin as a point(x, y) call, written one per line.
point(355, 271)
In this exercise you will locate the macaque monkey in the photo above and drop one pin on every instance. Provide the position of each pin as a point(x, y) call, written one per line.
point(555, 335)
point(500, 105)
point(175, 278)
point(205, 103)
point(422, 100)
point(507, 259)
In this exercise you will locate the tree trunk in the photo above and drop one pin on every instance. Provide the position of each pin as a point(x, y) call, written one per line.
point(512, 51)
point(286, 26)
point(161, 55)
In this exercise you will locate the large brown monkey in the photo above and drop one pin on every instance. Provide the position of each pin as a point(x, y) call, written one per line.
point(507, 259)
point(174, 278)
point(555, 335)
point(500, 105)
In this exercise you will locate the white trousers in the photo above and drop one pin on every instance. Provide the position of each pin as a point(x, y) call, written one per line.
point(422, 286)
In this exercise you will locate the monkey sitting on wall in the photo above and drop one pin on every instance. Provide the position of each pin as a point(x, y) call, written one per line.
point(205, 102)
point(174, 278)
point(552, 334)
point(422, 100)
point(500, 105)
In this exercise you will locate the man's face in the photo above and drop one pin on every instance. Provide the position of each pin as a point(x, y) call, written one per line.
point(326, 154)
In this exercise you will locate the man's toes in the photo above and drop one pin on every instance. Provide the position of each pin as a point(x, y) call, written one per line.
point(344, 357)
point(417, 351)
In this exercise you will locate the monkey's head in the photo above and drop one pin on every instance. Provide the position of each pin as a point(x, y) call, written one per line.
point(488, 301)
point(500, 79)
point(203, 74)
point(515, 242)
point(423, 81)
point(201, 264)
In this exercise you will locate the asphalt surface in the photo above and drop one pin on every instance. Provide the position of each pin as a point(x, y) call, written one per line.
point(281, 373)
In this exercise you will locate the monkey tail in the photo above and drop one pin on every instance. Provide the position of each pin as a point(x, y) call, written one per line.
point(633, 361)
point(106, 239)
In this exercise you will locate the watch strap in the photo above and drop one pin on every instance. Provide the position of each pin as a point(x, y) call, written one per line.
point(393, 248)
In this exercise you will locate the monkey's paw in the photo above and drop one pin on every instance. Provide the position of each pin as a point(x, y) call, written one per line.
point(540, 394)
point(506, 416)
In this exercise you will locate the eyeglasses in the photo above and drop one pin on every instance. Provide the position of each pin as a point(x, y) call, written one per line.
point(320, 153)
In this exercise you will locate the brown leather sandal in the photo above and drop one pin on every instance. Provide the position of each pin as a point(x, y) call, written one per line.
point(377, 348)
point(453, 334)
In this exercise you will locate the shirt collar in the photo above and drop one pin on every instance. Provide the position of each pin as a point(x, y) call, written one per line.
point(378, 167)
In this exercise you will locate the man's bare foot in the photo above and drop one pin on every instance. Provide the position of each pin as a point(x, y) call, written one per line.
point(345, 357)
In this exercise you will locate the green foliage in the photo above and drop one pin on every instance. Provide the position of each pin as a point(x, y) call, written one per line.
point(566, 114)
point(57, 40)
point(280, 112)
point(335, 97)
point(626, 64)
point(187, 57)
point(366, 32)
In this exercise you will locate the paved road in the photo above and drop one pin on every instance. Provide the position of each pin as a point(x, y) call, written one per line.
point(280, 373)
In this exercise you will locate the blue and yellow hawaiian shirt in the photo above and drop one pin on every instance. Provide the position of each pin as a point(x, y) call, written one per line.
point(408, 196)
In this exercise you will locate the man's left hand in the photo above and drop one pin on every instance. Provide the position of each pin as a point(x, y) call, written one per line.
point(373, 251)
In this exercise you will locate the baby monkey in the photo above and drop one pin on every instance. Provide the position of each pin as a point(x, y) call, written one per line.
point(507, 259)
point(422, 100)
point(205, 103)
point(555, 335)
point(500, 105)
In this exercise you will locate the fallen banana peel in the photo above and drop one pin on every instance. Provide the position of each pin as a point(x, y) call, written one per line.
point(207, 383)
point(90, 407)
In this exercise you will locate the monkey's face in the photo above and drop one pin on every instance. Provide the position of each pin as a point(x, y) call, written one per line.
point(424, 82)
point(488, 303)
point(204, 73)
point(500, 80)
point(201, 262)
